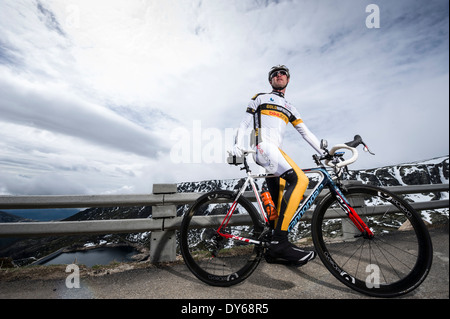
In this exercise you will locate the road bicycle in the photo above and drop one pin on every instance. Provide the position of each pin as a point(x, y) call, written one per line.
point(368, 238)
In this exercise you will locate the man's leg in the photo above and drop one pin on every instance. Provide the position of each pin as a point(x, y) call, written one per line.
point(296, 184)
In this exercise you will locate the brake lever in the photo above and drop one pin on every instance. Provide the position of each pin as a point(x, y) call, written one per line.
point(366, 148)
point(358, 140)
point(316, 159)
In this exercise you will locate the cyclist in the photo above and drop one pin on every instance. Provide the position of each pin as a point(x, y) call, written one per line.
point(269, 113)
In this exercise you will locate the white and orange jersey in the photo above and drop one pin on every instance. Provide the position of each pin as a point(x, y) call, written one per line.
point(270, 113)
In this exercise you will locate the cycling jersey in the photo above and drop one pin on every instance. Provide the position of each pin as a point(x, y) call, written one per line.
point(270, 113)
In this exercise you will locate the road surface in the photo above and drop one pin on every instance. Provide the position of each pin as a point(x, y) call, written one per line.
point(174, 281)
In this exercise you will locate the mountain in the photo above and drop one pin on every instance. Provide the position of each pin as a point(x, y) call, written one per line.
point(433, 171)
point(43, 214)
point(112, 213)
point(10, 218)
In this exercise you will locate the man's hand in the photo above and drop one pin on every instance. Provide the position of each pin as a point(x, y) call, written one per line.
point(237, 151)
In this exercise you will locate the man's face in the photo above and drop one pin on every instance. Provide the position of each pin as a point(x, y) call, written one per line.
point(279, 81)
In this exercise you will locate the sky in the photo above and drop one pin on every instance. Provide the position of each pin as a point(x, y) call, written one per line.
point(112, 96)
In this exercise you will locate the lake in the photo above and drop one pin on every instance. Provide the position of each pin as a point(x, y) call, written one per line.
point(96, 256)
point(43, 214)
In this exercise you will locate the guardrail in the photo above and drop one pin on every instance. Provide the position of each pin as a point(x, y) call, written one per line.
point(163, 223)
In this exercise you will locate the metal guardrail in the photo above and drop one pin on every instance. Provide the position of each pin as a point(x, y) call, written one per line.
point(139, 224)
point(163, 222)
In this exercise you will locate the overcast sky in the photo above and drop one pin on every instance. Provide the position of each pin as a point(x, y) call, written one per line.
point(102, 96)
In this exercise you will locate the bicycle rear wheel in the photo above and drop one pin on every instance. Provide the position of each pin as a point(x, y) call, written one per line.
point(212, 258)
point(395, 261)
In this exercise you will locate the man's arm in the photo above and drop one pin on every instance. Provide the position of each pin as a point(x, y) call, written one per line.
point(309, 136)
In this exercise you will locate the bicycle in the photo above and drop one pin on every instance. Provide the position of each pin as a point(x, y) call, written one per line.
point(368, 238)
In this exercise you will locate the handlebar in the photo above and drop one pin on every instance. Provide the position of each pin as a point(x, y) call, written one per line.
point(333, 159)
point(349, 161)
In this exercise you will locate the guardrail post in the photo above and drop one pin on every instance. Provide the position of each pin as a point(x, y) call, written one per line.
point(163, 242)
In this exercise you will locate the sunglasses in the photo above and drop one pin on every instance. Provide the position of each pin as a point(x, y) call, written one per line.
point(274, 74)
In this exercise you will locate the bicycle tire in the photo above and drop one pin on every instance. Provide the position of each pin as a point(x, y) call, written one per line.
point(213, 259)
point(392, 263)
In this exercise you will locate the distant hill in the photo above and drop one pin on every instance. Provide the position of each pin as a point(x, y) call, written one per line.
point(433, 171)
point(43, 214)
point(111, 213)
point(10, 218)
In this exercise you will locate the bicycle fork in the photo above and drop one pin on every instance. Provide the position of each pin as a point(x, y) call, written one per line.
point(352, 214)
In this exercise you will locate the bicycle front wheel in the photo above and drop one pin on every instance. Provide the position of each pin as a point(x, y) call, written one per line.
point(393, 262)
point(211, 257)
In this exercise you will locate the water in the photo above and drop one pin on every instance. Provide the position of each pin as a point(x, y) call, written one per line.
point(43, 214)
point(97, 256)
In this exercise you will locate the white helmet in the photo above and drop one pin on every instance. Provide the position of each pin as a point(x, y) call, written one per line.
point(276, 68)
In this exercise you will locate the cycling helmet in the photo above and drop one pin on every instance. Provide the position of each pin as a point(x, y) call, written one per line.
point(278, 67)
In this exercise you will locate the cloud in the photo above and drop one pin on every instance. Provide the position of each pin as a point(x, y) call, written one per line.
point(96, 92)
point(53, 108)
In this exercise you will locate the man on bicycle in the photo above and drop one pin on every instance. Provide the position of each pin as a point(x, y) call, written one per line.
point(269, 114)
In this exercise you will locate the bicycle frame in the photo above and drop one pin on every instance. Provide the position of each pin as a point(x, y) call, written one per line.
point(324, 181)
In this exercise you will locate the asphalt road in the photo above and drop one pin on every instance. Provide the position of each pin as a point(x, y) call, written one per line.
point(268, 282)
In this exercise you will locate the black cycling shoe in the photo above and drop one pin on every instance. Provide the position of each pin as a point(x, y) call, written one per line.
point(284, 252)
